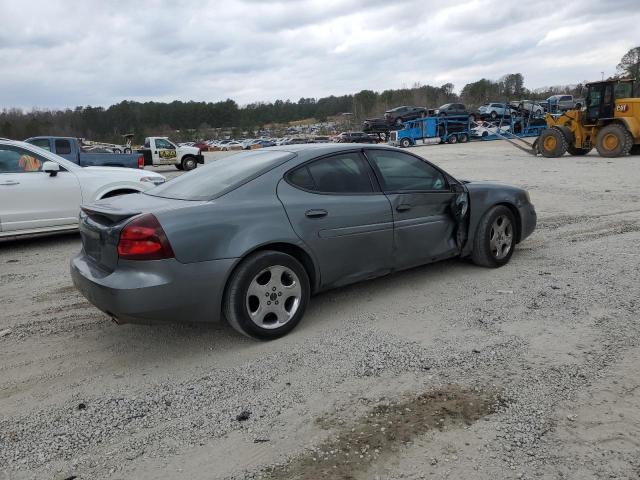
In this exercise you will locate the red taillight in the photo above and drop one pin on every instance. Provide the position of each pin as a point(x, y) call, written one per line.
point(144, 239)
point(141, 161)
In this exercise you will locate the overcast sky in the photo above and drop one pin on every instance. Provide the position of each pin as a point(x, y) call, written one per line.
point(99, 52)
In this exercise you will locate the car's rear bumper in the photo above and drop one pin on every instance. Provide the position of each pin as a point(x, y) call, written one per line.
point(155, 291)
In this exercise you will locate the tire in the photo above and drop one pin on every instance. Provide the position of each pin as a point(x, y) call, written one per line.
point(189, 163)
point(575, 151)
point(485, 134)
point(464, 138)
point(398, 122)
point(245, 312)
point(117, 150)
point(493, 247)
point(614, 140)
point(127, 150)
point(179, 166)
point(552, 143)
point(452, 139)
point(494, 115)
point(405, 142)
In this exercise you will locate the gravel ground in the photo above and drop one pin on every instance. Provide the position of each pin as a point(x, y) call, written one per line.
point(529, 371)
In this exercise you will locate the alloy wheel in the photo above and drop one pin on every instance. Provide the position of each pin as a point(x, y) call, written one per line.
point(273, 297)
point(501, 237)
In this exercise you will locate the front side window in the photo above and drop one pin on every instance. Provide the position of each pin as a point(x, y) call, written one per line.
point(42, 143)
point(162, 143)
point(18, 160)
point(345, 173)
point(402, 172)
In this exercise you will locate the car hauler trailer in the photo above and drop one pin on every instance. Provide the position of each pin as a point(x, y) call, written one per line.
point(430, 130)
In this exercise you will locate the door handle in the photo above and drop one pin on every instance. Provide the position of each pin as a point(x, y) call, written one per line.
point(316, 213)
point(403, 207)
point(10, 182)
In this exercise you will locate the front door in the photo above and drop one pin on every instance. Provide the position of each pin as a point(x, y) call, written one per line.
point(31, 198)
point(335, 207)
point(423, 205)
point(164, 152)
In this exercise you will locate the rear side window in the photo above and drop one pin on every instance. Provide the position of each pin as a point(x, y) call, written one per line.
point(343, 174)
point(301, 177)
point(63, 147)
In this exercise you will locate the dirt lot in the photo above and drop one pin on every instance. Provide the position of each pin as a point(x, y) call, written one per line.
point(445, 371)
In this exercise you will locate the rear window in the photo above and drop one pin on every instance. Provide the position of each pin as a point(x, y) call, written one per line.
point(63, 147)
point(221, 176)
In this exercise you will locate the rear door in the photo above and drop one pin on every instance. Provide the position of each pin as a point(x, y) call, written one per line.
point(336, 208)
point(422, 202)
point(31, 198)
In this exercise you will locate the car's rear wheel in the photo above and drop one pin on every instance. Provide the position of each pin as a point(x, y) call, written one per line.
point(495, 238)
point(614, 140)
point(267, 295)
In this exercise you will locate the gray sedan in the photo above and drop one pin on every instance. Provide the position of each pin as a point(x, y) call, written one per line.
point(251, 237)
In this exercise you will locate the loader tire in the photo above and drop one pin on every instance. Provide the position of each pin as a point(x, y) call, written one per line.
point(552, 143)
point(614, 141)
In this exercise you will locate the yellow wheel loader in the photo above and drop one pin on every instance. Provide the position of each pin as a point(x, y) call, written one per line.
point(610, 122)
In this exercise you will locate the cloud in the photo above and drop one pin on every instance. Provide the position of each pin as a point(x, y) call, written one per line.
point(63, 54)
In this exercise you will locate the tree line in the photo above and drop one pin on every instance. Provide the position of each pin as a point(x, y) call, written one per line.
point(195, 120)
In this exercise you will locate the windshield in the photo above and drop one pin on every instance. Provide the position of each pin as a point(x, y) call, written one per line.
point(220, 176)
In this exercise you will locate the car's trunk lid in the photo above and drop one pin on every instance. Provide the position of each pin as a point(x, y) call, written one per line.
point(101, 223)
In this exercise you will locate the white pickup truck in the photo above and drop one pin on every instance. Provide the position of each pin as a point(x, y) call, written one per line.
point(162, 151)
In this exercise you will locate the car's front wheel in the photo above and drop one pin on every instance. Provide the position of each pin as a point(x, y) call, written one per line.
point(267, 295)
point(495, 238)
point(189, 163)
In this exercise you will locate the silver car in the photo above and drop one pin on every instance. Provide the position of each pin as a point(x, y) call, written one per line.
point(251, 237)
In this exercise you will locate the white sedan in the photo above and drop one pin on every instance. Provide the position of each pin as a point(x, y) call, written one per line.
point(41, 192)
point(484, 129)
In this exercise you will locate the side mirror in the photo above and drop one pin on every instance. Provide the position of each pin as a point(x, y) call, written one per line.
point(457, 187)
point(52, 168)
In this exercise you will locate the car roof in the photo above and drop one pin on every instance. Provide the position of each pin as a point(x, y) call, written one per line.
point(317, 149)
